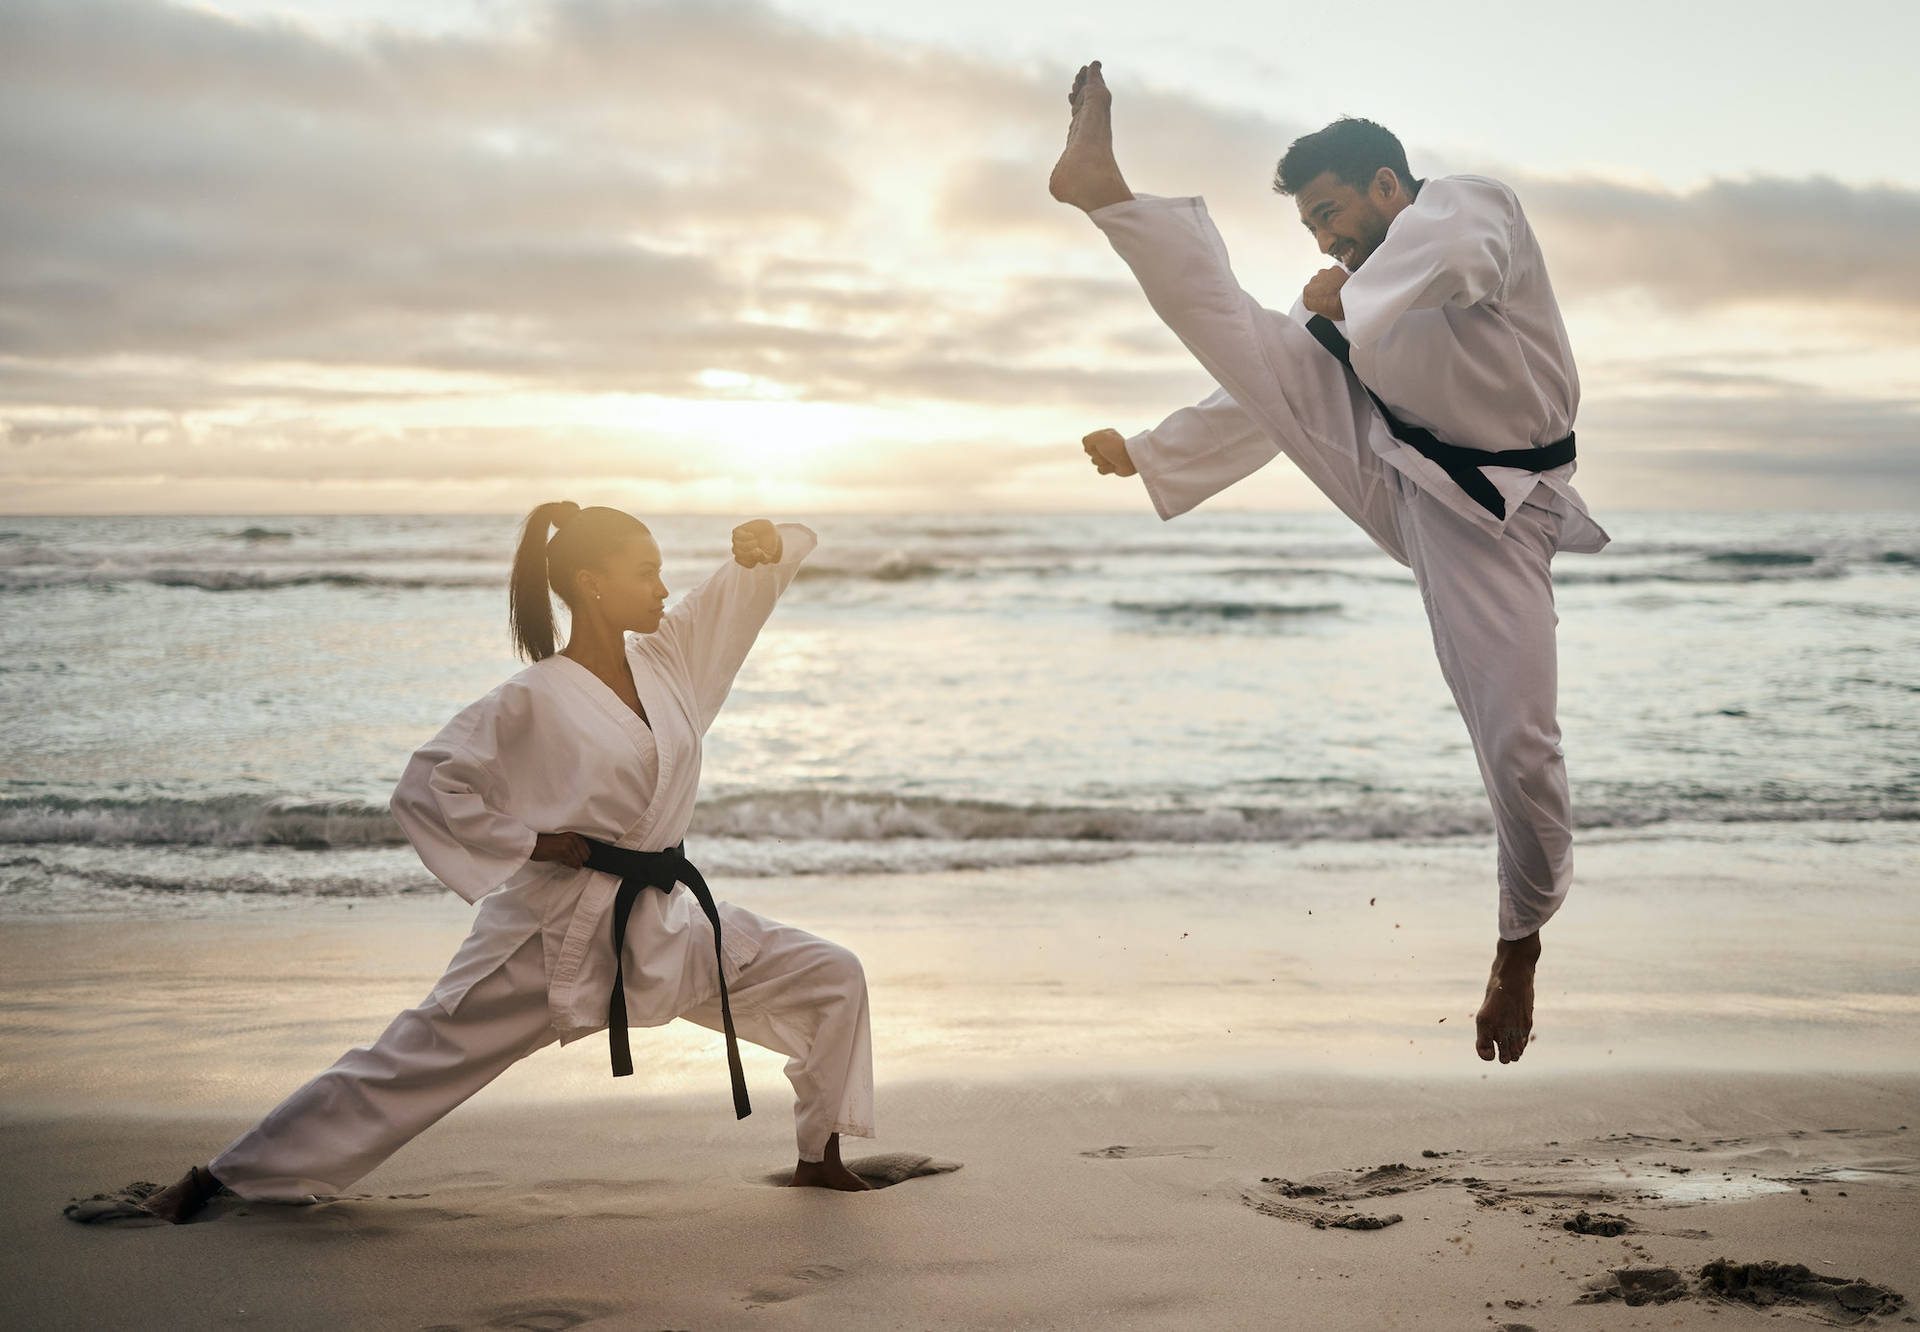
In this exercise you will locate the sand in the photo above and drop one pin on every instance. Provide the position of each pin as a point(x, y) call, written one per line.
point(1148, 1137)
point(1123, 1203)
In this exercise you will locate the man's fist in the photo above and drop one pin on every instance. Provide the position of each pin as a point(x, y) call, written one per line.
point(1107, 451)
point(757, 542)
point(1322, 295)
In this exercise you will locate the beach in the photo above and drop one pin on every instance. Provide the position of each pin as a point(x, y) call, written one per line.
point(527, 462)
point(1164, 852)
point(1143, 1100)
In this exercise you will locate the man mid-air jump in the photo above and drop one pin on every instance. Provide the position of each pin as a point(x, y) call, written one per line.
point(1427, 387)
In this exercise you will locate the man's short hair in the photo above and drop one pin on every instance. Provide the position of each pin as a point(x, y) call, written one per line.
point(1354, 150)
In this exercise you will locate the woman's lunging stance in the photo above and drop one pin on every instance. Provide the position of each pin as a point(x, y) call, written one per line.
point(559, 803)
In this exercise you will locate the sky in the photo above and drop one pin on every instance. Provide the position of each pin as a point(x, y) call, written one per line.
point(270, 257)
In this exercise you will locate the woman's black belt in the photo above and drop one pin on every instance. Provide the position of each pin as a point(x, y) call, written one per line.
point(1463, 465)
point(639, 871)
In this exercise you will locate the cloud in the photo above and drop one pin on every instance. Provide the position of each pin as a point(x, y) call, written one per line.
point(1816, 242)
point(1747, 440)
point(225, 245)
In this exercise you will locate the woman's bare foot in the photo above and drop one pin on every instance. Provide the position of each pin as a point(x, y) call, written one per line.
point(1087, 176)
point(185, 1196)
point(1505, 1020)
point(828, 1173)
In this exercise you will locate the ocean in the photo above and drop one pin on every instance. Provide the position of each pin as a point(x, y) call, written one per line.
point(203, 714)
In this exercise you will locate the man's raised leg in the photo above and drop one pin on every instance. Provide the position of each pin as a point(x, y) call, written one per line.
point(1284, 381)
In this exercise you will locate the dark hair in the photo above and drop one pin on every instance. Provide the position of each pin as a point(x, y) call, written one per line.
point(582, 539)
point(1354, 150)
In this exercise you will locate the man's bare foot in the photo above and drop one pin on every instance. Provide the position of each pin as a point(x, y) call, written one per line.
point(827, 1173)
point(1505, 1020)
point(185, 1196)
point(1086, 175)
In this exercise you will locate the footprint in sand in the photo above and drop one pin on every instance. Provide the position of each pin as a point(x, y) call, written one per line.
point(1605, 1224)
point(883, 1169)
point(119, 1208)
point(1635, 1286)
point(792, 1285)
point(1326, 1201)
point(1267, 1205)
point(528, 1318)
point(122, 1208)
point(1124, 1153)
point(1839, 1300)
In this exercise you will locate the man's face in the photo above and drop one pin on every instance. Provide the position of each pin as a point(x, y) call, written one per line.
point(1347, 224)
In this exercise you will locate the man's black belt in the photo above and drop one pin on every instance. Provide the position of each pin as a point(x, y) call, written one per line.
point(639, 871)
point(1463, 465)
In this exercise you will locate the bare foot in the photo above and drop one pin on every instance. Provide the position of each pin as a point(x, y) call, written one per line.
point(828, 1173)
point(185, 1196)
point(1505, 1020)
point(1086, 175)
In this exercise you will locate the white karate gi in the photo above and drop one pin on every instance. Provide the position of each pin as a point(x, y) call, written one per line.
point(555, 750)
point(1452, 321)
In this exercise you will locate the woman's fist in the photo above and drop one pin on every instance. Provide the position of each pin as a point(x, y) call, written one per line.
point(757, 542)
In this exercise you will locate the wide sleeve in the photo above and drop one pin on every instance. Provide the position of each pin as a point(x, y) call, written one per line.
point(1452, 246)
point(452, 798)
point(1198, 452)
point(709, 632)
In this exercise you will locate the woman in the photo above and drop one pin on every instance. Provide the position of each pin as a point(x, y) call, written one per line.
point(558, 803)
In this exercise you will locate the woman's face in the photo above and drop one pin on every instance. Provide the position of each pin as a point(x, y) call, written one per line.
point(627, 591)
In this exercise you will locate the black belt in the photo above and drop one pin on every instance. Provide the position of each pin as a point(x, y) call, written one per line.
point(1463, 465)
point(639, 871)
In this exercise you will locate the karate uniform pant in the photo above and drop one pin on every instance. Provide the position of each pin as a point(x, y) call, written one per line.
point(1488, 596)
point(801, 995)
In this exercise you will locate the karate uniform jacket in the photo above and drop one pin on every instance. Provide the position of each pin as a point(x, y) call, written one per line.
point(555, 750)
point(1452, 322)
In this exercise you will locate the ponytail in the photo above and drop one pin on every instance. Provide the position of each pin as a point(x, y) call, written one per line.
point(529, 608)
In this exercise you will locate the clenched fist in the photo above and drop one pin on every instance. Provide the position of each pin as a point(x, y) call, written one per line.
point(757, 542)
point(570, 849)
point(1107, 451)
point(1322, 294)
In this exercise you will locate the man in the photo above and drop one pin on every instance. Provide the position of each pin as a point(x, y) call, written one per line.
point(1442, 307)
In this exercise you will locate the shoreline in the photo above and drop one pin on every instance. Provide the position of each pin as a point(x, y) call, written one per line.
point(1754, 952)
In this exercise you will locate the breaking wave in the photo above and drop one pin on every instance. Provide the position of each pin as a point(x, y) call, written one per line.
point(214, 821)
point(237, 580)
point(1191, 613)
point(819, 816)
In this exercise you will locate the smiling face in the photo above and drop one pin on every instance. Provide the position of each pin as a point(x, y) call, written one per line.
point(626, 590)
point(1348, 224)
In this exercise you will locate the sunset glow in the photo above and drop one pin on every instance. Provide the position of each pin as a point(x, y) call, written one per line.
point(711, 257)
